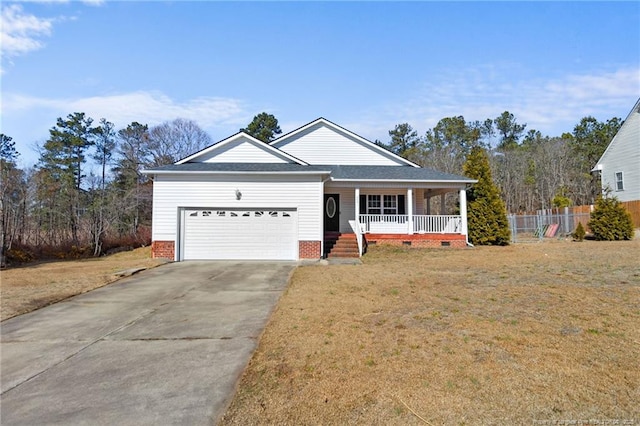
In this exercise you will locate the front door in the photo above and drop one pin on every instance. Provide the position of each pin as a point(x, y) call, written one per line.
point(331, 212)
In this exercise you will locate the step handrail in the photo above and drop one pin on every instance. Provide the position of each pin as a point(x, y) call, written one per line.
point(357, 229)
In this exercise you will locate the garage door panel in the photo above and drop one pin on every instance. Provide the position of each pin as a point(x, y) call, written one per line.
point(256, 234)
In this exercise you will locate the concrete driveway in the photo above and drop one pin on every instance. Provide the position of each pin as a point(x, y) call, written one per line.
point(166, 346)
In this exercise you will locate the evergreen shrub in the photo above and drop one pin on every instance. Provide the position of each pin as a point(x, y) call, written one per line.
point(487, 214)
point(610, 221)
point(579, 233)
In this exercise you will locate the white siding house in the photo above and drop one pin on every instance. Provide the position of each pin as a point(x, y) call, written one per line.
point(294, 198)
point(619, 166)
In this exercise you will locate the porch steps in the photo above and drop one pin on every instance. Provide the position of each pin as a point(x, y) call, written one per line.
point(340, 245)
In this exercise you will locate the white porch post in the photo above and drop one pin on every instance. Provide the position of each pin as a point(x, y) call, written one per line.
point(443, 209)
point(357, 203)
point(463, 213)
point(428, 205)
point(410, 209)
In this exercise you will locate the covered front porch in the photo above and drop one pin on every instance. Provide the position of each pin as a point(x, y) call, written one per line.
point(423, 216)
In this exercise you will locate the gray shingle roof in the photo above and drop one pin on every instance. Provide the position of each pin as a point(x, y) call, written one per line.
point(345, 172)
point(399, 173)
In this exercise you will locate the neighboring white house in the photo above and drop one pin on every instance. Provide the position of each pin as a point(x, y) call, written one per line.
point(244, 199)
point(619, 166)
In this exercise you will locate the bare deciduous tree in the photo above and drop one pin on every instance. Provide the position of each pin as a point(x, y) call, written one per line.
point(174, 140)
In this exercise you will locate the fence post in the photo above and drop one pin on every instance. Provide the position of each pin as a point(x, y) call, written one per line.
point(513, 227)
point(540, 224)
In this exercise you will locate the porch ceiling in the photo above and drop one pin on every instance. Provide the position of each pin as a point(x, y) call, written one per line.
point(435, 192)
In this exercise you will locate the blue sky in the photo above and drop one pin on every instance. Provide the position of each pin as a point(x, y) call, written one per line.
point(364, 65)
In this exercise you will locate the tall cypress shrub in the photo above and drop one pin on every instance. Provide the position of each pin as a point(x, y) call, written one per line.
point(487, 214)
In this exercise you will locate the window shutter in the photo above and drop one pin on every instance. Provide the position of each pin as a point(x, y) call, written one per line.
point(363, 204)
point(401, 206)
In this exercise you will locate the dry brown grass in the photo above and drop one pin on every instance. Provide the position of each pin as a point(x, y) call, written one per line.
point(524, 334)
point(35, 285)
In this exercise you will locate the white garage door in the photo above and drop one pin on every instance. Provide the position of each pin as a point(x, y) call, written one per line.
point(252, 234)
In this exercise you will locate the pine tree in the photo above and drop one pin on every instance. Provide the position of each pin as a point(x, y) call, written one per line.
point(403, 139)
point(263, 127)
point(610, 221)
point(62, 157)
point(487, 215)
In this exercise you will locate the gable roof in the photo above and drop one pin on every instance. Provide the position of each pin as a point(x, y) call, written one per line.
point(630, 124)
point(245, 146)
point(282, 141)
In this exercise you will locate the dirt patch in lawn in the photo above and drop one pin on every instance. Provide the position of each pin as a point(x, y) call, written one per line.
point(525, 334)
point(33, 286)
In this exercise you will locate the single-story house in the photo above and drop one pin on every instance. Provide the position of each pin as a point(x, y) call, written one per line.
point(316, 191)
point(619, 165)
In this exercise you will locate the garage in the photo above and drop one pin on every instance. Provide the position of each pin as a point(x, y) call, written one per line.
point(247, 234)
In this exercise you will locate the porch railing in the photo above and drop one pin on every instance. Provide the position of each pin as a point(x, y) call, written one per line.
point(437, 224)
point(403, 224)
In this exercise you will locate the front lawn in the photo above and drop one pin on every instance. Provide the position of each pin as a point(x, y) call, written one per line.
point(35, 285)
point(525, 334)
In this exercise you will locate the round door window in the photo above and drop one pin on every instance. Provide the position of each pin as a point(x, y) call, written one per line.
point(331, 207)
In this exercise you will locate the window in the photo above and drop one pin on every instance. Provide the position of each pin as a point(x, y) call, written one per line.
point(619, 181)
point(382, 204)
point(373, 204)
point(390, 204)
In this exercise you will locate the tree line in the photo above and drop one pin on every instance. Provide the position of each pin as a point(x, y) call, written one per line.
point(531, 170)
point(87, 194)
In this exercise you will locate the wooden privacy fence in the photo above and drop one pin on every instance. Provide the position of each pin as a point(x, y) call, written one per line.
point(633, 207)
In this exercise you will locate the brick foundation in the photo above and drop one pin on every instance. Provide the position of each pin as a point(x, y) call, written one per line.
point(419, 240)
point(309, 249)
point(163, 249)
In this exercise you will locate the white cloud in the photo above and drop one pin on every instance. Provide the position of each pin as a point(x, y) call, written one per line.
point(22, 32)
point(145, 107)
point(552, 106)
point(29, 118)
